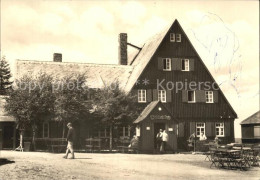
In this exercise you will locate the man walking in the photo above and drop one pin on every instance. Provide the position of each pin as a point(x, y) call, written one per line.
point(70, 139)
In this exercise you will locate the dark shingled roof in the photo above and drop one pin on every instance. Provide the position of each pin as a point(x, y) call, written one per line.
point(254, 119)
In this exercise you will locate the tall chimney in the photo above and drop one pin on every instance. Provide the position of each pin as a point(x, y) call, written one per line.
point(122, 57)
point(57, 57)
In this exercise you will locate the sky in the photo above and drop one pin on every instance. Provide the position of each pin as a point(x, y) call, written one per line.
point(224, 33)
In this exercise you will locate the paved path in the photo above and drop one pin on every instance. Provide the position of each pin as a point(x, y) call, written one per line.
point(36, 165)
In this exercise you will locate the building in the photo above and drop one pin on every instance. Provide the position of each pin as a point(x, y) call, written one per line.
point(161, 70)
point(7, 128)
point(250, 128)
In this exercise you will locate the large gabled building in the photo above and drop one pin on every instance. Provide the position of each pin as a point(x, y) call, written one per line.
point(161, 70)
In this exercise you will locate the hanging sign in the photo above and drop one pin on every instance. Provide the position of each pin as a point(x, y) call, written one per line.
point(163, 117)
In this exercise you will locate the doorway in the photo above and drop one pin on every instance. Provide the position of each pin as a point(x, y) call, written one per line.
point(157, 127)
point(8, 136)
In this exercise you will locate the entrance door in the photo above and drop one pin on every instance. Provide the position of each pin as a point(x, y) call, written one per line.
point(8, 136)
point(157, 127)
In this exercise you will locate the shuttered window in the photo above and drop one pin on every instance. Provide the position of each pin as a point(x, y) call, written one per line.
point(209, 96)
point(167, 64)
point(162, 95)
point(191, 96)
point(185, 65)
point(172, 37)
point(178, 37)
point(220, 129)
point(142, 96)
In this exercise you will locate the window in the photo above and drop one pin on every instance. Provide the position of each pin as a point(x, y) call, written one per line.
point(172, 37)
point(191, 96)
point(209, 96)
point(178, 37)
point(142, 95)
point(257, 131)
point(162, 95)
point(200, 128)
point(45, 132)
point(124, 131)
point(185, 65)
point(220, 129)
point(167, 64)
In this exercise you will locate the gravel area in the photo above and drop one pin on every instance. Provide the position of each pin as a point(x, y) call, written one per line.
point(39, 165)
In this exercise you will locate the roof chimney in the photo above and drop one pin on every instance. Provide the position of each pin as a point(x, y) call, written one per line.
point(122, 57)
point(57, 57)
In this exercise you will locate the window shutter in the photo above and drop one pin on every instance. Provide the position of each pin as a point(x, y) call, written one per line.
point(192, 127)
point(191, 64)
point(209, 130)
point(160, 63)
point(155, 95)
point(215, 96)
point(134, 92)
point(184, 96)
point(148, 95)
point(175, 64)
point(227, 128)
point(168, 96)
point(181, 129)
point(200, 96)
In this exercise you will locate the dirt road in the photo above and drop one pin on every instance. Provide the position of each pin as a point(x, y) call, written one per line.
point(36, 165)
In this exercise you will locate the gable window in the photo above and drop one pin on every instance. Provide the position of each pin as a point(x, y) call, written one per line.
point(185, 65)
point(142, 95)
point(220, 129)
point(256, 131)
point(200, 128)
point(45, 130)
point(191, 96)
point(166, 64)
point(209, 96)
point(172, 37)
point(178, 37)
point(162, 95)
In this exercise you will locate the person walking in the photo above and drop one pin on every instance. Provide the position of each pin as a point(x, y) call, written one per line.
point(70, 138)
point(159, 139)
point(165, 139)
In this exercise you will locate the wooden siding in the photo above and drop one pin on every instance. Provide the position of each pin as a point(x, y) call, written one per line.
point(200, 74)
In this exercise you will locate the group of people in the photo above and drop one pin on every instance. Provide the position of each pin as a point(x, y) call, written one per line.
point(202, 137)
point(161, 140)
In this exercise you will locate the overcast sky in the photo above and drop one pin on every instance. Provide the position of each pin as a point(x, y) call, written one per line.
point(224, 33)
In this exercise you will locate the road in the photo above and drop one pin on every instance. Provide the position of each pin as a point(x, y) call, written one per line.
point(41, 165)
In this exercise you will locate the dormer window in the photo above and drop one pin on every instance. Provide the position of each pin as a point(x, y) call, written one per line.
point(172, 37)
point(178, 37)
point(167, 64)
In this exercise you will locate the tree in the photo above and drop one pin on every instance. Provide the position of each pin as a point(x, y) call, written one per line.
point(116, 107)
point(71, 100)
point(5, 75)
point(31, 102)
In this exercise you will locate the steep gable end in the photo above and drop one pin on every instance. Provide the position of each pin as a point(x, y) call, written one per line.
point(159, 43)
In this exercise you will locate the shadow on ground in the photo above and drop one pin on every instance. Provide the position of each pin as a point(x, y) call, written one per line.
point(5, 161)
